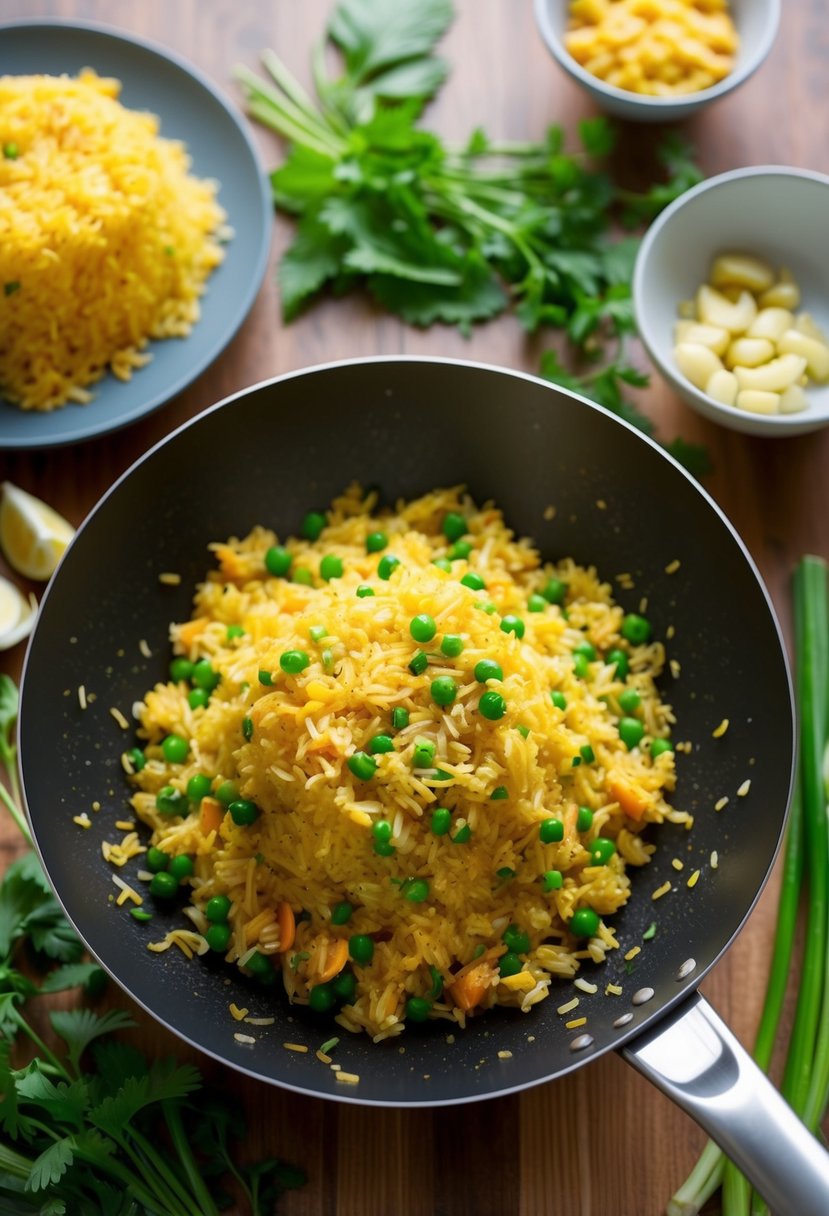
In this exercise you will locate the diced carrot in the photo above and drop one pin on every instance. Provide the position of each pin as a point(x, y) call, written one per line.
point(287, 925)
point(335, 960)
point(190, 630)
point(469, 986)
point(229, 563)
point(211, 814)
point(631, 798)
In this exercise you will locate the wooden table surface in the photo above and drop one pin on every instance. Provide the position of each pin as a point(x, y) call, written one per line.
point(601, 1142)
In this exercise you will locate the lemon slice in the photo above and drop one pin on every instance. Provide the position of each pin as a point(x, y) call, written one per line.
point(33, 537)
point(17, 615)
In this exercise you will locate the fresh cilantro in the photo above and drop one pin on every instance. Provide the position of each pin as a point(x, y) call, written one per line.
point(436, 234)
point(90, 1126)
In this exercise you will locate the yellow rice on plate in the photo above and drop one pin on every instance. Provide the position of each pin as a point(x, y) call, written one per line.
point(106, 239)
point(461, 909)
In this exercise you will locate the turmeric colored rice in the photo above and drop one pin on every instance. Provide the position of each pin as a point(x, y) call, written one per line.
point(106, 239)
point(395, 831)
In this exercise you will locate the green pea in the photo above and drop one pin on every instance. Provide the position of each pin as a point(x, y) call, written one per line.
point(512, 624)
point(552, 880)
point(424, 753)
point(422, 627)
point(581, 666)
point(441, 821)
point(312, 525)
point(419, 663)
point(218, 936)
point(204, 676)
point(418, 1008)
point(399, 717)
point(587, 754)
point(243, 812)
point(506, 873)
point(181, 669)
point(658, 746)
point(247, 728)
point(362, 766)
point(278, 561)
point(136, 758)
point(558, 699)
point(473, 581)
point(227, 792)
point(364, 591)
point(451, 645)
point(235, 631)
point(181, 866)
point(584, 819)
point(631, 732)
point(460, 551)
point(516, 940)
point(156, 859)
point(386, 566)
point(376, 542)
point(509, 964)
point(463, 835)
point(361, 948)
point(303, 576)
point(381, 831)
point(11, 151)
point(293, 661)
point(629, 701)
point(584, 922)
point(321, 998)
point(341, 913)
point(454, 526)
point(554, 591)
point(345, 986)
point(163, 885)
point(416, 890)
point(492, 705)
point(217, 909)
point(380, 744)
point(536, 603)
point(601, 850)
point(171, 801)
point(488, 669)
point(331, 567)
point(443, 690)
point(197, 698)
point(499, 793)
point(635, 629)
point(587, 649)
point(444, 564)
point(618, 659)
point(317, 632)
point(261, 966)
point(551, 831)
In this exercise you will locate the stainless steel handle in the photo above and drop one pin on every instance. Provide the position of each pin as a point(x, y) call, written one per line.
point(693, 1057)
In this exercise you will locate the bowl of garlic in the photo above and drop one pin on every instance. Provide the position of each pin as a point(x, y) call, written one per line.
point(731, 295)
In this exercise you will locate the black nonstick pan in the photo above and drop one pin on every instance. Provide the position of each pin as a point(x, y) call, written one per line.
point(407, 426)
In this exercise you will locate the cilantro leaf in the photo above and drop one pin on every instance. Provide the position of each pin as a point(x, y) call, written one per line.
point(376, 34)
point(597, 136)
point(313, 259)
point(477, 297)
point(51, 1165)
point(80, 1027)
point(71, 975)
point(165, 1080)
point(694, 457)
point(64, 1102)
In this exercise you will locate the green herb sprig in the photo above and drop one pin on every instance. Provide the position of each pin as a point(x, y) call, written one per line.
point(89, 1126)
point(437, 234)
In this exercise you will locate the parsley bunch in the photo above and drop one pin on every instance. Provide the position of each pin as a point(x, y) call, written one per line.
point(442, 235)
point(89, 1126)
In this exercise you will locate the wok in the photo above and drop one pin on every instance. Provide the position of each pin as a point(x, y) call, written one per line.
point(408, 425)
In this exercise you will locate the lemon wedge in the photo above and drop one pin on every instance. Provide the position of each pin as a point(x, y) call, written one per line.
point(17, 615)
point(33, 537)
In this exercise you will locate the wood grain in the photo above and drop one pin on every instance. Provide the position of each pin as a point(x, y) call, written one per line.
point(600, 1142)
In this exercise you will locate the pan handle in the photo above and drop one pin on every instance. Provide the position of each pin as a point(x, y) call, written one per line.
point(693, 1057)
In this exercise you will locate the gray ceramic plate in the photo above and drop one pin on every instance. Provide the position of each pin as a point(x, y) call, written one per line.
point(191, 109)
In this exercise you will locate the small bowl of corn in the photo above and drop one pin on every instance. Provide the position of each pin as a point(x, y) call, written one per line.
point(731, 296)
point(658, 60)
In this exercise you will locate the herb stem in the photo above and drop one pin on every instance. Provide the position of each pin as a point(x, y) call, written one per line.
point(701, 1183)
point(172, 1115)
point(14, 1163)
point(151, 1163)
point(11, 802)
point(278, 112)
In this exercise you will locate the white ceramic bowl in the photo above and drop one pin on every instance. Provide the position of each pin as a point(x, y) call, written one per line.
point(756, 21)
point(777, 213)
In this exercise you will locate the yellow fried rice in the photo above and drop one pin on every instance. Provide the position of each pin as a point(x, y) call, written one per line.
point(405, 850)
